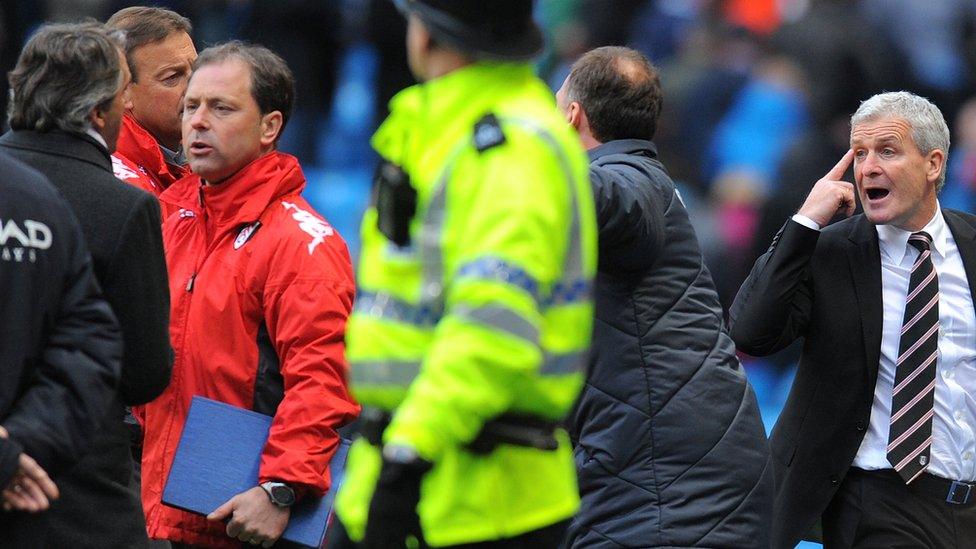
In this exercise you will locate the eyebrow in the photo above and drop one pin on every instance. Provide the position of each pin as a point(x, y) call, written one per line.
point(210, 99)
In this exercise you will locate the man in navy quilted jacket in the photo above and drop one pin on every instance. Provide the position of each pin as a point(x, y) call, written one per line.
point(670, 447)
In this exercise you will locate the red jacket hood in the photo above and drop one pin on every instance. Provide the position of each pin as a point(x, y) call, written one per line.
point(139, 146)
point(243, 196)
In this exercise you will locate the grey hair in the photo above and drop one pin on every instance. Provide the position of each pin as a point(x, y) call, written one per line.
point(63, 73)
point(929, 128)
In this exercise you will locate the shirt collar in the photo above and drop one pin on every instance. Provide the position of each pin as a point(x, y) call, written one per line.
point(97, 137)
point(894, 241)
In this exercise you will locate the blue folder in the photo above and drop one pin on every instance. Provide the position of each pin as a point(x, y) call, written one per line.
point(218, 457)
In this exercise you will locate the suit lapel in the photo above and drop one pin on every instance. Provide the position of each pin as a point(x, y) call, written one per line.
point(864, 257)
point(964, 235)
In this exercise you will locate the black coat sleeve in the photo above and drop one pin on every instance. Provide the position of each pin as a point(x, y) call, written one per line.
point(78, 367)
point(630, 218)
point(137, 288)
point(772, 308)
point(9, 460)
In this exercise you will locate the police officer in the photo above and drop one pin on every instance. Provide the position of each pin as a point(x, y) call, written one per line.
point(473, 315)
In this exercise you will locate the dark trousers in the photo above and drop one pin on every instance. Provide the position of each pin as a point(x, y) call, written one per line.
point(876, 509)
point(543, 538)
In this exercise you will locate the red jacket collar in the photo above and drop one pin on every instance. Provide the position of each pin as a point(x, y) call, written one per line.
point(243, 196)
point(139, 146)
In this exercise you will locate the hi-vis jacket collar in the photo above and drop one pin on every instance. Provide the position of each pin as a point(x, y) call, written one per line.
point(417, 123)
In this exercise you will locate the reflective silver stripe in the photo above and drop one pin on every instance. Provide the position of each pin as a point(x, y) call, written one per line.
point(500, 318)
point(431, 258)
point(393, 373)
point(431, 261)
point(561, 365)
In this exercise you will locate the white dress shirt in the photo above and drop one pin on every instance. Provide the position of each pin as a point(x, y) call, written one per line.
point(954, 425)
point(97, 137)
point(953, 454)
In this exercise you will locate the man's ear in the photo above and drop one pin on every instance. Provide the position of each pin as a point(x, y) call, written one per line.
point(575, 115)
point(271, 124)
point(97, 119)
point(935, 165)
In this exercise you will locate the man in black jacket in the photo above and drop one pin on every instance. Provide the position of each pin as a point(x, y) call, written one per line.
point(671, 450)
point(66, 111)
point(60, 349)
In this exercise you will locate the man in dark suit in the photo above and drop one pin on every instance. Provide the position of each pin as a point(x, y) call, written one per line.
point(877, 437)
point(68, 98)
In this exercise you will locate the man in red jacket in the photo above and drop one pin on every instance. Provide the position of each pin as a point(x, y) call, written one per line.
point(160, 53)
point(261, 288)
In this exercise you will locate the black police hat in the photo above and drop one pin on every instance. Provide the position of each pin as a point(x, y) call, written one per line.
point(487, 29)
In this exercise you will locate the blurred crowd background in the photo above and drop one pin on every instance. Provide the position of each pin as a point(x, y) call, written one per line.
point(758, 94)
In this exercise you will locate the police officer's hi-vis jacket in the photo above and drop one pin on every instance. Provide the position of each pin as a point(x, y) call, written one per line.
point(484, 310)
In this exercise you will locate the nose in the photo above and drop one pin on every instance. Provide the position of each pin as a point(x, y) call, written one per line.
point(198, 119)
point(869, 165)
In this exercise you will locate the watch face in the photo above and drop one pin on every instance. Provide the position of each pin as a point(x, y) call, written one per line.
point(282, 495)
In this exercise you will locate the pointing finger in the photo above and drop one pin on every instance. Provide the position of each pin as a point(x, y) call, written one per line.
point(838, 170)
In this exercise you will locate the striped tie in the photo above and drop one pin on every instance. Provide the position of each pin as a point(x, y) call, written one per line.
point(913, 397)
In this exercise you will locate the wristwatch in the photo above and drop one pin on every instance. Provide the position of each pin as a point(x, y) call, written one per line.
point(279, 493)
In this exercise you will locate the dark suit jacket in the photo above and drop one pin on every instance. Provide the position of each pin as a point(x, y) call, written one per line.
point(122, 227)
point(824, 287)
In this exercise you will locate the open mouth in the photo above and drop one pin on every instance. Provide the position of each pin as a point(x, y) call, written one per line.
point(198, 147)
point(877, 194)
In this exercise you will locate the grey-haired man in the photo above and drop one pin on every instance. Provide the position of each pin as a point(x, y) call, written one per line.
point(877, 438)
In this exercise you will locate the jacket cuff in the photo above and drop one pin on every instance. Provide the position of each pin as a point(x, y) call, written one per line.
point(9, 460)
point(796, 234)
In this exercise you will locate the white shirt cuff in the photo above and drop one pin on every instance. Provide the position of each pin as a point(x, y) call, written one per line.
point(806, 222)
